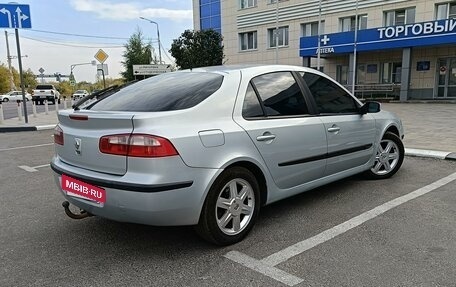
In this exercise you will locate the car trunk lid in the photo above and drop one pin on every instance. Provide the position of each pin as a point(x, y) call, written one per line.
point(82, 131)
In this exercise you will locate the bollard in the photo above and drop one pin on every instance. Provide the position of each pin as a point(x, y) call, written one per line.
point(1, 113)
point(19, 111)
point(34, 108)
point(46, 107)
point(64, 104)
point(56, 107)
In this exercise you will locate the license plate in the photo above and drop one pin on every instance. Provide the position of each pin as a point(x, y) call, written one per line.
point(77, 188)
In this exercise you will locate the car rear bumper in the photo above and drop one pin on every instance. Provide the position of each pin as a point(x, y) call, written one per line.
point(161, 204)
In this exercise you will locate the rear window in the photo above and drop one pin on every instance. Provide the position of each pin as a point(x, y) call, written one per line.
point(44, 87)
point(166, 92)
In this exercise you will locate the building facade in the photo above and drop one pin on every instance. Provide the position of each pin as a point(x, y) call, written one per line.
point(405, 48)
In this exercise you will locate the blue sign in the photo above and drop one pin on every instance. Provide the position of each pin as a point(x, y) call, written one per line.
point(15, 16)
point(409, 35)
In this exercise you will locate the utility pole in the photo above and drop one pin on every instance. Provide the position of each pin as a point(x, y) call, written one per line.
point(8, 56)
point(19, 57)
point(277, 33)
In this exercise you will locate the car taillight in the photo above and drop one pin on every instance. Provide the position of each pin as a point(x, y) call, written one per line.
point(58, 135)
point(137, 145)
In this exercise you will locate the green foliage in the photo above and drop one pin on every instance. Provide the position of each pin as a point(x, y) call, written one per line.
point(4, 79)
point(198, 49)
point(30, 81)
point(137, 52)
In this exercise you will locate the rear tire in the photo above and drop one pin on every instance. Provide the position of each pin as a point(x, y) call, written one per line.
point(231, 207)
point(388, 159)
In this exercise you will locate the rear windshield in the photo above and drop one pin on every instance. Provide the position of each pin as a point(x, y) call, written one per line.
point(166, 92)
point(79, 92)
point(44, 87)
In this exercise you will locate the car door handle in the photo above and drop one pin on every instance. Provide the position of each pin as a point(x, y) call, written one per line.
point(264, 138)
point(334, 129)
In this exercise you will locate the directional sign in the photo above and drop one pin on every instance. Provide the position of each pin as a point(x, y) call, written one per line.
point(101, 56)
point(15, 16)
point(144, 70)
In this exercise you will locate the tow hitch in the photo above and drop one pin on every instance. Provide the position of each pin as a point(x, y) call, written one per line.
point(83, 214)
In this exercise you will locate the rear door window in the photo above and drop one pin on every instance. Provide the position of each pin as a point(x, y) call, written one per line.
point(166, 92)
point(44, 87)
point(280, 94)
point(252, 107)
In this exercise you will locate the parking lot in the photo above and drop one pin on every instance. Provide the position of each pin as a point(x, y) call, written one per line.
point(355, 232)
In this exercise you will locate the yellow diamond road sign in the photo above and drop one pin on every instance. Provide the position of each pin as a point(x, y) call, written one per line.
point(101, 56)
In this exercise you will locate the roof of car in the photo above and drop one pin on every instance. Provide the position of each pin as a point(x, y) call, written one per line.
point(246, 67)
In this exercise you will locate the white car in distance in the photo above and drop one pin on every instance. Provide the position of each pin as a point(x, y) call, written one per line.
point(13, 96)
point(79, 94)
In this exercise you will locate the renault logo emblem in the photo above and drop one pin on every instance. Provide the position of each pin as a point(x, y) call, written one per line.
point(77, 145)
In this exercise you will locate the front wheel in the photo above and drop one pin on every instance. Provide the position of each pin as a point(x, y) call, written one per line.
point(6, 100)
point(389, 157)
point(231, 207)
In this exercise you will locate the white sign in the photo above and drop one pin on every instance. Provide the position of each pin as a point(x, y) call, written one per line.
point(102, 68)
point(157, 69)
point(417, 29)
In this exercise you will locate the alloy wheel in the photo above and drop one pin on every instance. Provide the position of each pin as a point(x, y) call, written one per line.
point(235, 206)
point(387, 157)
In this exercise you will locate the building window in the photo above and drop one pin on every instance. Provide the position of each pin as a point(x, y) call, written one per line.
point(342, 74)
point(248, 3)
point(349, 23)
point(210, 17)
point(400, 17)
point(311, 29)
point(445, 11)
point(391, 73)
point(281, 35)
point(248, 41)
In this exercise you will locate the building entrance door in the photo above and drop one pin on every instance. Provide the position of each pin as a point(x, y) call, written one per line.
point(446, 74)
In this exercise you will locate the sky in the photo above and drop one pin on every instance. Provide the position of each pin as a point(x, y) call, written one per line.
point(50, 46)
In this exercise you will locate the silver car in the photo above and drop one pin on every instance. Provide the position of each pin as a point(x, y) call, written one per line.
point(209, 146)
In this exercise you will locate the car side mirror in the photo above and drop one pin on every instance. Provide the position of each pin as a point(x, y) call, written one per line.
point(370, 107)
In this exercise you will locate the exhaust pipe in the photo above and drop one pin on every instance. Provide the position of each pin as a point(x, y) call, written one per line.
point(83, 214)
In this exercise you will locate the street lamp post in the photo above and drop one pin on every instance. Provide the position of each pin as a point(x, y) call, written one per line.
point(93, 63)
point(158, 35)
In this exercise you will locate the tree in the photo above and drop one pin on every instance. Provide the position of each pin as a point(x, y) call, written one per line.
point(198, 49)
point(4, 79)
point(30, 81)
point(137, 52)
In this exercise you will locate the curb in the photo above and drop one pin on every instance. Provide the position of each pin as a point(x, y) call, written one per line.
point(26, 128)
point(430, 154)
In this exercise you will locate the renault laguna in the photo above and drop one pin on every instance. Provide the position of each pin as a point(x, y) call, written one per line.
point(209, 146)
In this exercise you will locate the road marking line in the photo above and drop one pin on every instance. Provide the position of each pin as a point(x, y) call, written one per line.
point(309, 243)
point(266, 266)
point(24, 147)
point(257, 265)
point(32, 168)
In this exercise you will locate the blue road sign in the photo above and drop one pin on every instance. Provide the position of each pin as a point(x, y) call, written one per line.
point(15, 16)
